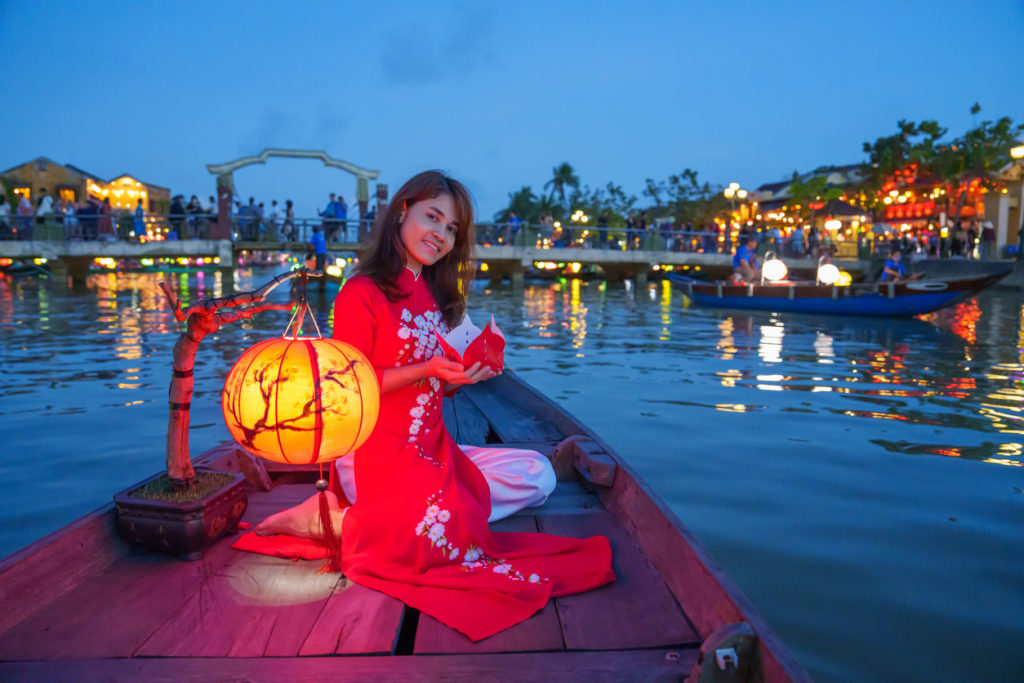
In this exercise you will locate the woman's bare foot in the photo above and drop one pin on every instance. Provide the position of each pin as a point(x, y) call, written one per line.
point(303, 520)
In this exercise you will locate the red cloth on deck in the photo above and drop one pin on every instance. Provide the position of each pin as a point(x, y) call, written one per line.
point(282, 545)
point(418, 530)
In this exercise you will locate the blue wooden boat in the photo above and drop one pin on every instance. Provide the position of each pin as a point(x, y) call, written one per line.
point(908, 298)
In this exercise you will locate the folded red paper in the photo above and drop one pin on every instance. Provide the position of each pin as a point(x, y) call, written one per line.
point(468, 344)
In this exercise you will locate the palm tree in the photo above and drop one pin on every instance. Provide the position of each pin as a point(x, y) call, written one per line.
point(523, 203)
point(563, 176)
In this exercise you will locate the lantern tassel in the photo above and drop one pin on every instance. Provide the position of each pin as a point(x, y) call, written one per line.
point(331, 539)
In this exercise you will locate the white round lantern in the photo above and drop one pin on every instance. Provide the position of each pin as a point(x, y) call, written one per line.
point(774, 270)
point(828, 274)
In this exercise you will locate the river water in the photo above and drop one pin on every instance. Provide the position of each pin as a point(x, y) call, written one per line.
point(861, 479)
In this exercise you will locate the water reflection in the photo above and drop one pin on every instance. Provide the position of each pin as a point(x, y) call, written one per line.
point(770, 346)
point(949, 371)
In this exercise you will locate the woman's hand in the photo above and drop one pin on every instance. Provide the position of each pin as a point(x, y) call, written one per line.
point(456, 373)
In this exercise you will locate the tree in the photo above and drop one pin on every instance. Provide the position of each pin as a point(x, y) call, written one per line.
point(686, 198)
point(806, 194)
point(563, 176)
point(619, 204)
point(523, 203)
point(915, 143)
point(977, 155)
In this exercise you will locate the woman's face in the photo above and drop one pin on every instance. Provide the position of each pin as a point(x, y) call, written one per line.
point(428, 231)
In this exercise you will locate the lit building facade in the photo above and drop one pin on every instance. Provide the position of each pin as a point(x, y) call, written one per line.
point(73, 184)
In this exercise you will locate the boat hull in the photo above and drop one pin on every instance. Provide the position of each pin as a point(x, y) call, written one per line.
point(880, 299)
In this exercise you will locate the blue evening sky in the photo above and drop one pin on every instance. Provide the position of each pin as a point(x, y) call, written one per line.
point(495, 93)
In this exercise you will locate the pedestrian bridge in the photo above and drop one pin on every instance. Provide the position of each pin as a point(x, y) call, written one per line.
point(503, 261)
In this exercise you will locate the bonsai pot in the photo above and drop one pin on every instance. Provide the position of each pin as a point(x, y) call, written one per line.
point(183, 528)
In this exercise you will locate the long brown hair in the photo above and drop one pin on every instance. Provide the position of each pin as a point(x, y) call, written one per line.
point(449, 278)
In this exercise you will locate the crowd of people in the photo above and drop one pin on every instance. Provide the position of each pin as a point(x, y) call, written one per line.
point(960, 239)
point(97, 219)
point(90, 219)
point(260, 221)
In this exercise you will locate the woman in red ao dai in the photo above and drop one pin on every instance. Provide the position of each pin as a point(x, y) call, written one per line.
point(412, 505)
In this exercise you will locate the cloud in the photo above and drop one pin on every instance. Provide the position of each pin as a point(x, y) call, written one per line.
point(330, 124)
point(433, 50)
point(273, 129)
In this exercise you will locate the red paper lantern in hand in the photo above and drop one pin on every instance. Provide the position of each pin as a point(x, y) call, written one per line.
point(301, 400)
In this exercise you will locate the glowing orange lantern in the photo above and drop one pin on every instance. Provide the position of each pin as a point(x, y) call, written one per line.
point(301, 400)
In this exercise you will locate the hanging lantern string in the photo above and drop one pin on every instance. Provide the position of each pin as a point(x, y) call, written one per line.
point(302, 307)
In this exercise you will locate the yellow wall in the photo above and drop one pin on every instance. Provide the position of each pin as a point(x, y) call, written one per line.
point(38, 174)
point(58, 180)
point(125, 191)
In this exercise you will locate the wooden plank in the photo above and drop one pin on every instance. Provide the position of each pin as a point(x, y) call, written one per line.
point(351, 619)
point(111, 614)
point(539, 633)
point(569, 498)
point(512, 421)
point(239, 604)
point(509, 385)
point(36, 576)
point(355, 620)
point(664, 665)
point(708, 596)
point(545, 448)
point(637, 610)
point(464, 420)
point(451, 423)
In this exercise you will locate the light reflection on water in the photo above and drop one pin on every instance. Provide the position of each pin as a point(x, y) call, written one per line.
point(822, 460)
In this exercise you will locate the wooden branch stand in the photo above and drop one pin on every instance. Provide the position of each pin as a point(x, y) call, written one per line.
point(204, 318)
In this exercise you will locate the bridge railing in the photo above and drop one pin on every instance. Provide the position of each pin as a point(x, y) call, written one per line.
point(153, 227)
point(589, 237)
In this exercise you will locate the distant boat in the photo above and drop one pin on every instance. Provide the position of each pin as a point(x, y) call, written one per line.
point(907, 298)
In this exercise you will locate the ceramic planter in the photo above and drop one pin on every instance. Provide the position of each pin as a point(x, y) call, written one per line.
point(182, 528)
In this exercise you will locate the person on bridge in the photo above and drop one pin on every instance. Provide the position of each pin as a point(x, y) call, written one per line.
point(328, 214)
point(318, 247)
point(289, 221)
point(744, 261)
point(341, 217)
point(412, 505)
point(139, 222)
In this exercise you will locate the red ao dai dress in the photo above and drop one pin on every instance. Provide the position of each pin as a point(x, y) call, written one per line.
point(418, 528)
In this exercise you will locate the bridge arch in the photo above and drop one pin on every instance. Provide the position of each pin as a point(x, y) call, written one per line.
point(226, 182)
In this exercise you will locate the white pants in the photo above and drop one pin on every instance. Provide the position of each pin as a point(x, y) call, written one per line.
point(517, 478)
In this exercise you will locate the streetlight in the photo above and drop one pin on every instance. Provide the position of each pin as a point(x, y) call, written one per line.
point(732, 193)
point(1018, 153)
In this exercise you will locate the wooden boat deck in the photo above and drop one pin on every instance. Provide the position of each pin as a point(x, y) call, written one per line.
point(84, 603)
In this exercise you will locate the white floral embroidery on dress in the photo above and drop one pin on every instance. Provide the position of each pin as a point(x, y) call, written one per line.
point(433, 527)
point(420, 334)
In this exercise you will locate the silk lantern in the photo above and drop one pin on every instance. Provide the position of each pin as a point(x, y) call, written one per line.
point(301, 400)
